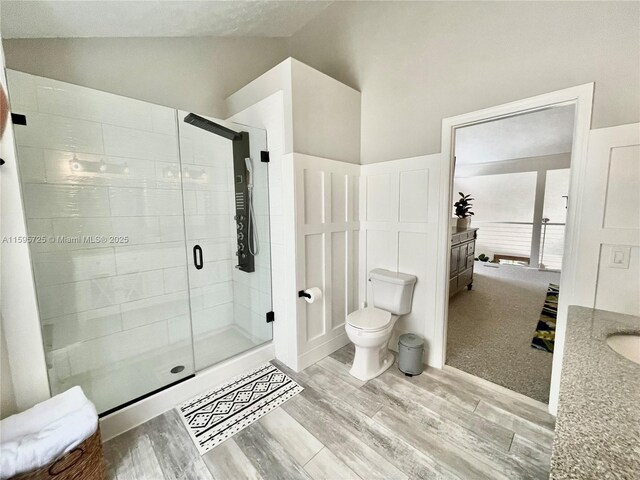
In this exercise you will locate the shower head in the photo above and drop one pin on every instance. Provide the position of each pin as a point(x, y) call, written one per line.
point(209, 126)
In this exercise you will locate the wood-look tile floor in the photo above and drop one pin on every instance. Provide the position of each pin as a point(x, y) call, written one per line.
point(440, 424)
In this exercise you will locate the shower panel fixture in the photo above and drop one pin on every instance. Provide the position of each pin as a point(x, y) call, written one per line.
point(246, 234)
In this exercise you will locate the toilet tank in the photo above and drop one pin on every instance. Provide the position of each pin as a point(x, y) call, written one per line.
point(392, 291)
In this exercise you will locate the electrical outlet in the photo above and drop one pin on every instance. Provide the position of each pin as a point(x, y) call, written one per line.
point(619, 257)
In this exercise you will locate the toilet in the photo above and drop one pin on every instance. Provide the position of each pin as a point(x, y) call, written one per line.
point(370, 328)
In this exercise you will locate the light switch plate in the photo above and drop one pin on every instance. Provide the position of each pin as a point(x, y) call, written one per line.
point(619, 257)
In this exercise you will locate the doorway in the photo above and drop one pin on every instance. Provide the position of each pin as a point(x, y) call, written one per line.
point(511, 177)
point(581, 98)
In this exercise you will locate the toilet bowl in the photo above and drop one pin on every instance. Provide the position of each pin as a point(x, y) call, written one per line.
point(370, 328)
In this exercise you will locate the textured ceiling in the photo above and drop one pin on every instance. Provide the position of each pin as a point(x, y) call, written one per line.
point(545, 132)
point(69, 19)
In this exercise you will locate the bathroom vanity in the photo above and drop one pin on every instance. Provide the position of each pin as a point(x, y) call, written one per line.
point(596, 432)
point(463, 248)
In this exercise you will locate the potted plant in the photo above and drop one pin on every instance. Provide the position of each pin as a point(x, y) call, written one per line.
point(463, 211)
point(482, 257)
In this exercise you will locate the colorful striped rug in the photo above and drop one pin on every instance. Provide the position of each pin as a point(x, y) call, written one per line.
point(545, 335)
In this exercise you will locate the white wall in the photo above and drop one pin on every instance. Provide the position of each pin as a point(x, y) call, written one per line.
point(413, 61)
point(320, 116)
point(276, 79)
point(194, 74)
point(618, 289)
point(326, 112)
point(20, 319)
point(7, 396)
point(327, 115)
point(399, 217)
point(419, 62)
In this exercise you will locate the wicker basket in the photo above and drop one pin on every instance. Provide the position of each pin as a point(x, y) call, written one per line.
point(85, 462)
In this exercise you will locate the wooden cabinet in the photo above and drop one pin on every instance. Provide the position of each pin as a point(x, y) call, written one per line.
point(463, 249)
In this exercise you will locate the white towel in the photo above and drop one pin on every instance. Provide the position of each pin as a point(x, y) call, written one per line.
point(40, 435)
point(17, 426)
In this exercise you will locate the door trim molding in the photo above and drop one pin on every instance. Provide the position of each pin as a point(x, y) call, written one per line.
point(582, 97)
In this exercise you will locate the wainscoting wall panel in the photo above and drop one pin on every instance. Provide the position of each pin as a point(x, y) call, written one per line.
point(399, 215)
point(326, 193)
point(610, 225)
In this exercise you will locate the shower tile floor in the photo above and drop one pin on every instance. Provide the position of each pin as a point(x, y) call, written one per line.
point(156, 367)
point(440, 424)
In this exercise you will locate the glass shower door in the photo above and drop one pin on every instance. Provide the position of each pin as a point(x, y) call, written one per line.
point(230, 256)
point(100, 177)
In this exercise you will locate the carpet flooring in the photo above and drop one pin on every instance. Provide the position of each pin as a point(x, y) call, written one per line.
point(490, 328)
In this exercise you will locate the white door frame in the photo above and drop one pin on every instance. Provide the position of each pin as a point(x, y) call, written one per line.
point(582, 97)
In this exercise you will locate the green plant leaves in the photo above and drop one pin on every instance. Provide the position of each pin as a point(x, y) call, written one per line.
point(463, 206)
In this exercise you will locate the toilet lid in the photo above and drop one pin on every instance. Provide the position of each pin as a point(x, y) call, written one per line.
point(369, 318)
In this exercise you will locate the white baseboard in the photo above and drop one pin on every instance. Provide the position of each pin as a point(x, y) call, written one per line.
point(321, 351)
point(144, 410)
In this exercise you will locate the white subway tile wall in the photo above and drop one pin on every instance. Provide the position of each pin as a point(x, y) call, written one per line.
point(93, 164)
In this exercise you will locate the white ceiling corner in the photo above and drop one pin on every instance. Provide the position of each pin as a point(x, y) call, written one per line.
point(155, 18)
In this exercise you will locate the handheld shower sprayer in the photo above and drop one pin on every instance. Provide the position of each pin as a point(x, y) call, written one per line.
point(254, 246)
point(249, 163)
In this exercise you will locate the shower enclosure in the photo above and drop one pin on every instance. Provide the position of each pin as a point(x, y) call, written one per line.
point(150, 261)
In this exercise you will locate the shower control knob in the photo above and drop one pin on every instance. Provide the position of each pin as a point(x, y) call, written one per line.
point(240, 226)
point(239, 218)
point(240, 247)
point(240, 236)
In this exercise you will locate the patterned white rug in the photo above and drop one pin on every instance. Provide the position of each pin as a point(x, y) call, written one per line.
point(216, 415)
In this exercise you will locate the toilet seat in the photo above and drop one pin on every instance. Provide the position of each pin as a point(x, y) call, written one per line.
point(369, 319)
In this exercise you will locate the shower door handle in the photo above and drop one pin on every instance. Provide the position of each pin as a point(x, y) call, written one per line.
point(197, 257)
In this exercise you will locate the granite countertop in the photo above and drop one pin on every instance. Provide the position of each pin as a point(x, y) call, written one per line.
point(598, 425)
